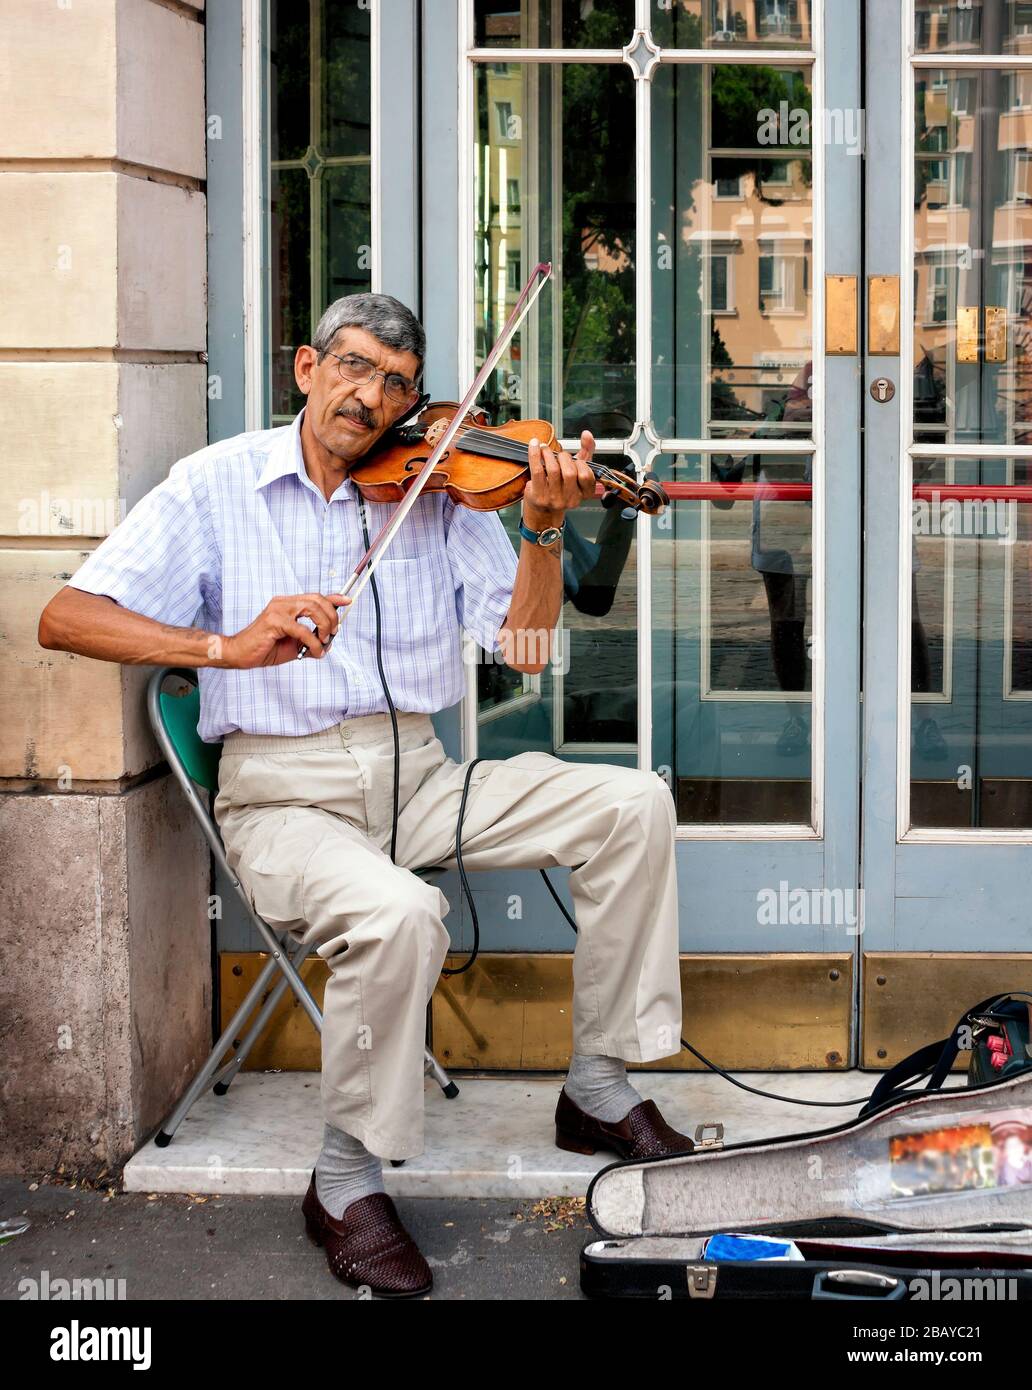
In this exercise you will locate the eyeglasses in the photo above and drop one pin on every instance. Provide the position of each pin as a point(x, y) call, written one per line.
point(361, 372)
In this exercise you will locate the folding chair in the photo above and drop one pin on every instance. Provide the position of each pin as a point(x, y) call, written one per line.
point(173, 715)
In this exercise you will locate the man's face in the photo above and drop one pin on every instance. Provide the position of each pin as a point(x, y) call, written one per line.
point(347, 418)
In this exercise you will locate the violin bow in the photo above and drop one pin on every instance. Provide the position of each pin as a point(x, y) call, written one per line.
point(363, 571)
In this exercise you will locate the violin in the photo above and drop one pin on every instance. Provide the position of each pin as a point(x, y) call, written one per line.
point(487, 466)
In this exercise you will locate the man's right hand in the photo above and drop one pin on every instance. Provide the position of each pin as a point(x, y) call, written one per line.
point(276, 636)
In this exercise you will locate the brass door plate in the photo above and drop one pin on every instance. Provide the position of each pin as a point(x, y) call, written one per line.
point(910, 997)
point(841, 332)
point(883, 315)
point(995, 333)
point(512, 1012)
point(967, 332)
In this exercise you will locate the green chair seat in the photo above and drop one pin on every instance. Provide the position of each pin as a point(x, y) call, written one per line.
point(201, 760)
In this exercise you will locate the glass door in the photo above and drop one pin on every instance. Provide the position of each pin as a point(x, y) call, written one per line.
point(948, 681)
point(692, 170)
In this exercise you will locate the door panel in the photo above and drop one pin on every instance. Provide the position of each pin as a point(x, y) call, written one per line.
point(684, 202)
point(948, 740)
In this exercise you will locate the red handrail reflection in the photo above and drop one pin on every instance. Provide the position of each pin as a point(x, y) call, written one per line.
point(733, 492)
point(803, 492)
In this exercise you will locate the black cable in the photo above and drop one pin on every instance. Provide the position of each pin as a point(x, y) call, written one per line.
point(686, 1045)
point(386, 691)
point(463, 880)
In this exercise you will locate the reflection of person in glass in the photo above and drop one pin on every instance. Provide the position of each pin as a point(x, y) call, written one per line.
point(785, 571)
point(591, 573)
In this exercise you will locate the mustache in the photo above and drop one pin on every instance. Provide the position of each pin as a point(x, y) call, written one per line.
point(362, 415)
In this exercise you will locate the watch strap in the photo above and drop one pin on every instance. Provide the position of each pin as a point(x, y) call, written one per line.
point(535, 536)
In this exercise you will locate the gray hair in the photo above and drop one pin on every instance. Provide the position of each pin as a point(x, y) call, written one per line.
point(385, 317)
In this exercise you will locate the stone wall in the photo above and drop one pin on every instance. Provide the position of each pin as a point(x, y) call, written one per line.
point(105, 980)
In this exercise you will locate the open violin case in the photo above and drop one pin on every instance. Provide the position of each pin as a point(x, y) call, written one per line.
point(921, 1194)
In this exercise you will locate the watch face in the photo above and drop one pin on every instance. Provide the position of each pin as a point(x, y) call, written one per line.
point(549, 536)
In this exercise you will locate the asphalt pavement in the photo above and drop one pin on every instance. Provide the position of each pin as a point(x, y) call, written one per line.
point(182, 1247)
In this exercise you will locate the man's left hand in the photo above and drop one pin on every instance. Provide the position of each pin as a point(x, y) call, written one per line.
point(558, 482)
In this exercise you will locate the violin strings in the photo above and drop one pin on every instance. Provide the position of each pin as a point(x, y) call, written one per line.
point(512, 451)
point(505, 449)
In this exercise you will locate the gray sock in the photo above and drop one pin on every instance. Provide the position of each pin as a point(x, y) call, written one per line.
point(345, 1171)
point(600, 1087)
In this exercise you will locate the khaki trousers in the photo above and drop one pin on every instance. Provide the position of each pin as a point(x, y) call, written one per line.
point(306, 823)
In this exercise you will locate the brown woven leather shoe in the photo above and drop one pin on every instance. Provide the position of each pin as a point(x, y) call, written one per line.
point(368, 1247)
point(642, 1133)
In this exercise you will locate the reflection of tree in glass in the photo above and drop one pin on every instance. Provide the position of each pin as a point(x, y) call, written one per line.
point(738, 95)
point(597, 238)
point(724, 402)
point(336, 194)
point(605, 26)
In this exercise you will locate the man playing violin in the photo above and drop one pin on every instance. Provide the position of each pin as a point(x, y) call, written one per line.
point(250, 539)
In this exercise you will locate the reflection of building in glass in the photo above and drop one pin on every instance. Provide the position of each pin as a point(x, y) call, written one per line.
point(741, 21)
point(973, 256)
point(969, 26)
point(754, 232)
point(498, 171)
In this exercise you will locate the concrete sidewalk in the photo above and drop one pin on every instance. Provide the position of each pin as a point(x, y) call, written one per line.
point(496, 1208)
point(495, 1139)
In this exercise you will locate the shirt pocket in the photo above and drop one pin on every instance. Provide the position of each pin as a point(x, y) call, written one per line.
point(418, 600)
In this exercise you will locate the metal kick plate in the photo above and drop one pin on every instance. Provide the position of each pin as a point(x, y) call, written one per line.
point(911, 996)
point(841, 318)
point(883, 315)
point(512, 1011)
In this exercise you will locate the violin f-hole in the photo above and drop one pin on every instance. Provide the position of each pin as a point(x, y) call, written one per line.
point(413, 465)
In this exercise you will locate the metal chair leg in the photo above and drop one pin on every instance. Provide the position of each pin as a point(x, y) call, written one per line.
point(279, 960)
point(226, 1076)
point(432, 1067)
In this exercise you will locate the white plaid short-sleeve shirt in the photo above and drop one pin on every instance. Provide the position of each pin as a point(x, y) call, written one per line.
point(241, 522)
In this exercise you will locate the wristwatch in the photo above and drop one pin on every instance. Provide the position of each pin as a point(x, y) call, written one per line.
point(548, 536)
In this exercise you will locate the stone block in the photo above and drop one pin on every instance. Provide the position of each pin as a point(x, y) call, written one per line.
point(84, 441)
point(103, 79)
point(62, 716)
point(105, 973)
point(101, 260)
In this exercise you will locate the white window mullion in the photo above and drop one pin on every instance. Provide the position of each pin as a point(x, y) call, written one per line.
point(643, 361)
point(465, 134)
